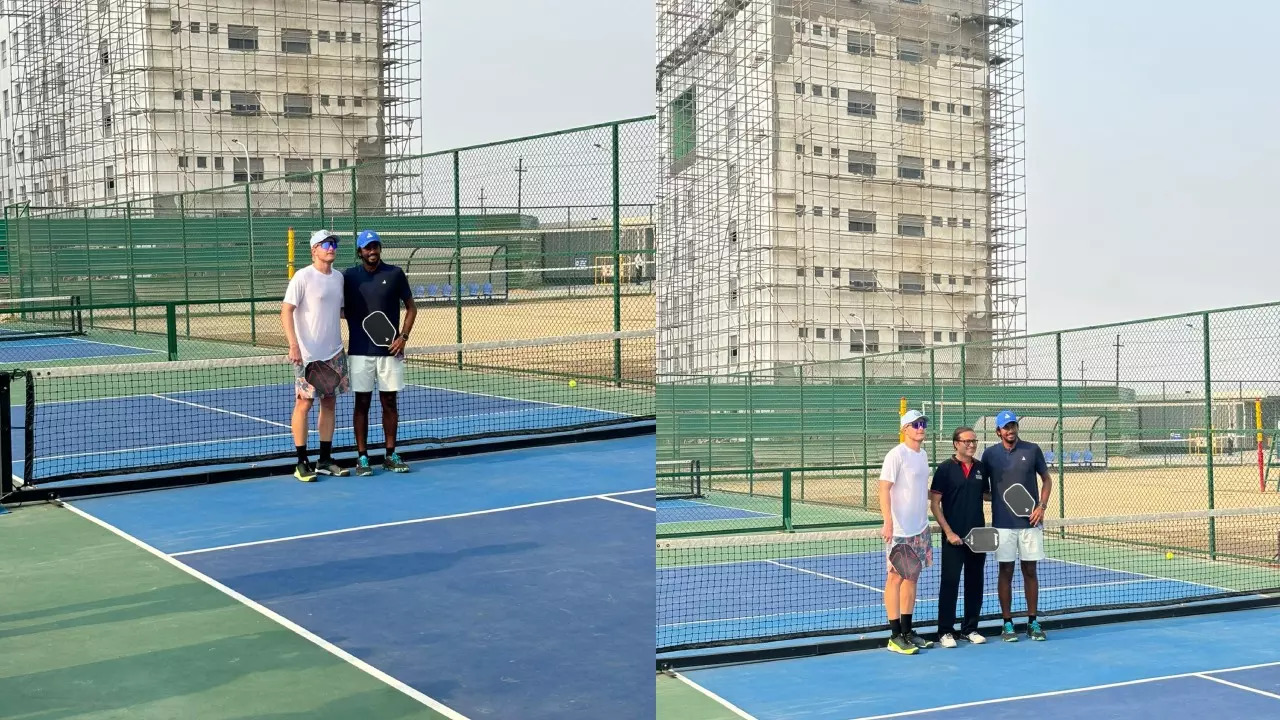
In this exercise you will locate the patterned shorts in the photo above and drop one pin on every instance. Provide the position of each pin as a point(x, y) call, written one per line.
point(922, 544)
point(304, 389)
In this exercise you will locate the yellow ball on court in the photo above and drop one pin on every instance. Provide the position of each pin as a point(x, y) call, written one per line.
point(573, 383)
point(1168, 555)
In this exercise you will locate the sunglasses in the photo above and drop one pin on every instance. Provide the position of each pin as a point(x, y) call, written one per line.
point(919, 424)
point(328, 244)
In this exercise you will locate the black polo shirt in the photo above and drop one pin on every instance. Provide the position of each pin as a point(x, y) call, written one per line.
point(961, 493)
point(365, 292)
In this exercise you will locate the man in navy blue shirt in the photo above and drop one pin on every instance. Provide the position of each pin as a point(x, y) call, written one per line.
point(372, 287)
point(959, 484)
point(1016, 461)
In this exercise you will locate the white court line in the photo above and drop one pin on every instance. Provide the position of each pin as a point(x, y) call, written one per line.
point(221, 410)
point(624, 502)
point(1071, 691)
point(1238, 686)
point(724, 703)
point(307, 634)
point(396, 523)
point(824, 575)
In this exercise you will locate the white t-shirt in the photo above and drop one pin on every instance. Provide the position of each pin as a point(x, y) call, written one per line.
point(317, 321)
point(909, 496)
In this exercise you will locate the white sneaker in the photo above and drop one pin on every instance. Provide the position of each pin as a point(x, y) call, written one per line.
point(947, 641)
point(975, 637)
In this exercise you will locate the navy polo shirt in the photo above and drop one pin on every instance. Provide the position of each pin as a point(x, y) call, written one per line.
point(367, 292)
point(1021, 464)
point(961, 493)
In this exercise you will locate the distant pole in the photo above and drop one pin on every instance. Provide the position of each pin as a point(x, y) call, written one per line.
point(1118, 346)
point(520, 171)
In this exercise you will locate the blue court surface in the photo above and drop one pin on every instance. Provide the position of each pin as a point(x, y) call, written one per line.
point(1212, 666)
point(41, 350)
point(514, 584)
point(240, 424)
point(678, 511)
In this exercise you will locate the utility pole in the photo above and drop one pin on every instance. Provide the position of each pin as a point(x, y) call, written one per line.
point(520, 171)
point(1118, 346)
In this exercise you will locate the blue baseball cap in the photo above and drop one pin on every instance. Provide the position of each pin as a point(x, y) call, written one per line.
point(1004, 417)
point(366, 237)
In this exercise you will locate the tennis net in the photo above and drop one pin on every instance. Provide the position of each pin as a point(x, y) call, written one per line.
point(743, 589)
point(679, 479)
point(38, 317)
point(92, 421)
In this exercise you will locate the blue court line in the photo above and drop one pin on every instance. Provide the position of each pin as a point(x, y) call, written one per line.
point(240, 424)
point(833, 592)
point(540, 613)
point(819, 688)
point(62, 348)
point(677, 511)
point(205, 516)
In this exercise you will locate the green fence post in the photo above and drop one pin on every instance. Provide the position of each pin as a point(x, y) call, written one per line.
point(457, 245)
point(751, 418)
point(171, 328)
point(1062, 440)
point(933, 404)
point(133, 279)
point(1208, 432)
point(964, 385)
point(53, 255)
point(88, 262)
point(320, 197)
point(617, 259)
point(248, 213)
point(786, 501)
point(865, 429)
point(186, 275)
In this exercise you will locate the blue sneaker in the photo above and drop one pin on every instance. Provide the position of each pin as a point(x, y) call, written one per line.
point(363, 469)
point(393, 463)
point(1007, 634)
point(1034, 632)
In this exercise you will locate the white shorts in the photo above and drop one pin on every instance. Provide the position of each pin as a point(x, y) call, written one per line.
point(1025, 544)
point(388, 372)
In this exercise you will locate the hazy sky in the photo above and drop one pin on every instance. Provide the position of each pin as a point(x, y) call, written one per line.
point(1150, 131)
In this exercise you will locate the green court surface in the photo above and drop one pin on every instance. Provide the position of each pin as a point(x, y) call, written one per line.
point(94, 627)
point(679, 701)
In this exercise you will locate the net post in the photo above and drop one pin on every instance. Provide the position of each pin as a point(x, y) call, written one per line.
point(1208, 429)
point(171, 328)
point(289, 251)
point(6, 439)
point(29, 430)
point(787, 523)
point(77, 317)
point(617, 259)
point(1257, 421)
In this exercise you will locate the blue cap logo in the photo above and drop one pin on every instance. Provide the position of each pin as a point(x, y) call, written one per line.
point(1004, 417)
point(365, 237)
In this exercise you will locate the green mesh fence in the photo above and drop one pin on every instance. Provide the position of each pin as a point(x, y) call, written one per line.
point(545, 236)
point(1157, 415)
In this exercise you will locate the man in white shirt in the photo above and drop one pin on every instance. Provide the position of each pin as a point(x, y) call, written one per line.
point(904, 505)
point(312, 320)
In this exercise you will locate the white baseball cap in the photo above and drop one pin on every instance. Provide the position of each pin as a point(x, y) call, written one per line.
point(320, 236)
point(910, 417)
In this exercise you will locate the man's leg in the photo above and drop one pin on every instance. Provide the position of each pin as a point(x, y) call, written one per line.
point(390, 424)
point(1004, 588)
point(360, 424)
point(328, 411)
point(974, 563)
point(1032, 584)
point(952, 562)
point(304, 471)
point(893, 609)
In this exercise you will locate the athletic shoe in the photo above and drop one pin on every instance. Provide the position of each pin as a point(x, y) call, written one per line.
point(918, 641)
point(306, 472)
point(1007, 634)
point(947, 641)
point(899, 644)
point(329, 467)
point(1034, 632)
point(363, 469)
point(393, 463)
point(975, 637)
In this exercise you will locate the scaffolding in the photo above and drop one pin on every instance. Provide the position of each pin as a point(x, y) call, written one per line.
point(837, 180)
point(128, 99)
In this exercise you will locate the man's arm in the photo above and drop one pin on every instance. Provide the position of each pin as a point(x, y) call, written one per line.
point(286, 321)
point(410, 315)
point(1046, 489)
point(935, 503)
point(886, 510)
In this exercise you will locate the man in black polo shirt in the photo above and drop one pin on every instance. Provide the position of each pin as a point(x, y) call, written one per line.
point(370, 287)
point(1012, 461)
point(956, 496)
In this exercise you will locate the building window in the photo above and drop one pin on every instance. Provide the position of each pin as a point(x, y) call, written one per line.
point(867, 341)
point(108, 121)
point(822, 333)
point(802, 331)
point(911, 283)
point(862, 163)
point(965, 167)
point(818, 271)
point(326, 164)
point(238, 173)
point(937, 336)
point(935, 221)
point(195, 28)
point(936, 163)
point(202, 162)
point(684, 132)
point(836, 334)
point(731, 122)
point(951, 164)
point(799, 272)
point(322, 36)
point(177, 95)
point(910, 168)
point(733, 348)
point(298, 170)
point(245, 103)
point(952, 222)
point(175, 26)
point(910, 50)
point(862, 280)
point(297, 105)
point(862, 103)
point(966, 110)
point(216, 96)
point(911, 225)
point(324, 100)
point(966, 222)
point(197, 95)
point(339, 36)
point(733, 293)
point(109, 180)
point(213, 28)
point(182, 162)
point(862, 221)
point(951, 337)
point(217, 163)
point(937, 279)
point(861, 43)
point(295, 41)
point(355, 37)
point(733, 179)
point(242, 37)
point(910, 110)
point(935, 106)
point(910, 340)
point(817, 211)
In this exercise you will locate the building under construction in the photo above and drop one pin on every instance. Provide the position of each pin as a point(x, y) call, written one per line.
point(115, 100)
point(839, 178)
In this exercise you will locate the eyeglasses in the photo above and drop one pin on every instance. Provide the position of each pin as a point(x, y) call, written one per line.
point(330, 244)
point(920, 424)
point(962, 441)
